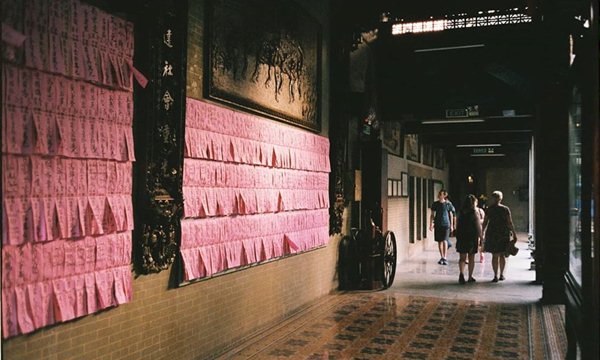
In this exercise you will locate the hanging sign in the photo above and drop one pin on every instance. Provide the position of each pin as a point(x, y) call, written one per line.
point(483, 150)
point(466, 112)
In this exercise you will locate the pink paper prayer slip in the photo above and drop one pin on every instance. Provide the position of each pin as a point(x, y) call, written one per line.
point(139, 77)
point(24, 317)
point(122, 278)
point(10, 326)
point(117, 210)
point(105, 287)
point(40, 296)
point(39, 219)
point(36, 48)
point(57, 54)
point(77, 60)
point(90, 292)
point(80, 296)
point(70, 258)
point(76, 207)
point(190, 261)
point(66, 300)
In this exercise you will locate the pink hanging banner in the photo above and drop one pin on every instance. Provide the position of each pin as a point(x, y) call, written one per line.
point(253, 189)
point(66, 190)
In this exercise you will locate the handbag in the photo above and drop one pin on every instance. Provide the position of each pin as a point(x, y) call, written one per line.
point(512, 249)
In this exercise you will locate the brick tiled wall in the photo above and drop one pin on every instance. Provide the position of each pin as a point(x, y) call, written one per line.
point(509, 176)
point(397, 211)
point(195, 58)
point(192, 322)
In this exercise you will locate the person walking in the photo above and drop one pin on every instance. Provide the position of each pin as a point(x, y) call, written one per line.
point(498, 227)
point(468, 236)
point(442, 222)
point(481, 213)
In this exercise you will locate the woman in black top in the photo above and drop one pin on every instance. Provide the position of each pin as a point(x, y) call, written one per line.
point(468, 236)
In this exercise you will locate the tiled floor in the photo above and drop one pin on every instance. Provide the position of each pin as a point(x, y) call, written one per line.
point(425, 315)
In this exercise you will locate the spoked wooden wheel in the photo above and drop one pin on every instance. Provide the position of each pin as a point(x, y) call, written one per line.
point(389, 259)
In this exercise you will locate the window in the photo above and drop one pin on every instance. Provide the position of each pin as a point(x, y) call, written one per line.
point(425, 206)
point(419, 208)
point(394, 188)
point(411, 209)
point(462, 21)
point(575, 230)
point(397, 187)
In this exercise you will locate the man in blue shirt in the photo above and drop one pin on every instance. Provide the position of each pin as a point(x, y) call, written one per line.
point(443, 223)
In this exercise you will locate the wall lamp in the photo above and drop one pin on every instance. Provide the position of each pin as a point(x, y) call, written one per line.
point(450, 48)
point(477, 145)
point(457, 121)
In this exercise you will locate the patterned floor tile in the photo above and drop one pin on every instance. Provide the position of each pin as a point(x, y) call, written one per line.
point(404, 328)
point(296, 342)
point(282, 352)
point(373, 350)
point(397, 325)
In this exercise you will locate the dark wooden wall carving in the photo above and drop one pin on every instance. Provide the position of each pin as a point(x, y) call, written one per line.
point(341, 44)
point(264, 56)
point(159, 129)
point(338, 145)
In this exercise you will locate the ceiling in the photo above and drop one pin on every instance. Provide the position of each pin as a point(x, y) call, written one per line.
point(425, 74)
point(510, 71)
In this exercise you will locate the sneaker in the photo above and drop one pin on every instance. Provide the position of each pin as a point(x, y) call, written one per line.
point(444, 262)
point(501, 278)
point(495, 280)
point(461, 279)
point(441, 261)
point(472, 279)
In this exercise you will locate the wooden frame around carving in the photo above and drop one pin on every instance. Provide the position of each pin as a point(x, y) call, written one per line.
point(439, 158)
point(427, 154)
point(392, 138)
point(413, 148)
point(242, 71)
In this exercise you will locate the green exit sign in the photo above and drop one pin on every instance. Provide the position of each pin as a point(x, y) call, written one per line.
point(469, 111)
point(457, 113)
point(484, 150)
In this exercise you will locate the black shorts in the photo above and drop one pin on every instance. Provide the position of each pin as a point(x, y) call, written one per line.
point(441, 233)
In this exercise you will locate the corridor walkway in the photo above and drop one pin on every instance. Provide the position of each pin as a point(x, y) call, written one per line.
point(422, 275)
point(425, 315)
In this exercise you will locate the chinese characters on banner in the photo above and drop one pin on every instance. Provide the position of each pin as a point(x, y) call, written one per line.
point(167, 75)
point(67, 153)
